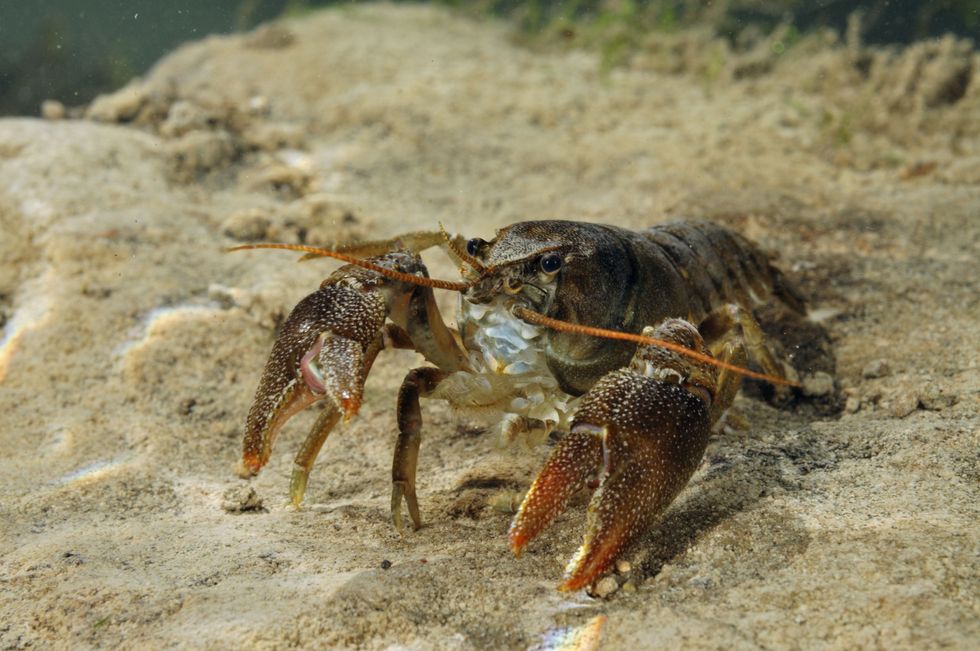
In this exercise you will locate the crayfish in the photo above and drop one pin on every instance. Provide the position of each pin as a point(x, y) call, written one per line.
point(630, 345)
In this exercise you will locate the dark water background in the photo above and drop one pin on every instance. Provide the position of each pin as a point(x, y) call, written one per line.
point(72, 50)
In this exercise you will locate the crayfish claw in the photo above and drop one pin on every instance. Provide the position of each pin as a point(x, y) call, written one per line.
point(326, 348)
point(643, 431)
point(576, 459)
point(323, 350)
point(648, 457)
point(334, 367)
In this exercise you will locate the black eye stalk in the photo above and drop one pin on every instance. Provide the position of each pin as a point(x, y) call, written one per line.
point(551, 262)
point(474, 245)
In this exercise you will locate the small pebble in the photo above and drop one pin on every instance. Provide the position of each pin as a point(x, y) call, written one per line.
point(201, 152)
point(629, 587)
point(291, 181)
point(936, 399)
point(506, 502)
point(120, 106)
point(817, 385)
point(824, 314)
point(184, 117)
point(605, 587)
point(904, 404)
point(241, 499)
point(52, 109)
point(623, 567)
point(877, 368)
point(385, 564)
point(852, 405)
point(257, 104)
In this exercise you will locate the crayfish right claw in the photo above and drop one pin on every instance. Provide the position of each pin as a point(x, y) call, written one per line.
point(327, 345)
point(323, 351)
point(334, 367)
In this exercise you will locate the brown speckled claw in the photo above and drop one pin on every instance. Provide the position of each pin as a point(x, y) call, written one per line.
point(642, 430)
point(323, 351)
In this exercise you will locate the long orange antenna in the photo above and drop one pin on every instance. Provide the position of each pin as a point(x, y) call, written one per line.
point(312, 251)
point(555, 324)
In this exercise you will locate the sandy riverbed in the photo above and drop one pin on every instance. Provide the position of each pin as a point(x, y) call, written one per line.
point(132, 344)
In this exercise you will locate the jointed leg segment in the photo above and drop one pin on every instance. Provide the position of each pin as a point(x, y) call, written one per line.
point(306, 457)
point(732, 321)
point(418, 383)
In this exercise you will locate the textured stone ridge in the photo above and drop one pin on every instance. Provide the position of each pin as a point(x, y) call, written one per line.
point(132, 344)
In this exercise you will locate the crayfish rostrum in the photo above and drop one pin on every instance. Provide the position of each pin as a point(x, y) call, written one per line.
point(630, 345)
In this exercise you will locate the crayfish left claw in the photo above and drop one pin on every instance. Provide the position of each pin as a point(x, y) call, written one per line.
point(643, 431)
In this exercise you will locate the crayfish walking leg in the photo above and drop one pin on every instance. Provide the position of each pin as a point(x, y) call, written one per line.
point(418, 382)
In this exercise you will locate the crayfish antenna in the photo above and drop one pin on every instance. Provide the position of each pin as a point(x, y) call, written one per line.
point(564, 326)
point(315, 252)
point(415, 242)
point(461, 255)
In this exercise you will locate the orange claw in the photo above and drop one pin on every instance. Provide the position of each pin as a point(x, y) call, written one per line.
point(576, 459)
point(643, 429)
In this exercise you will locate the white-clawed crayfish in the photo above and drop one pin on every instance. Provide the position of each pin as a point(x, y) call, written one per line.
point(583, 329)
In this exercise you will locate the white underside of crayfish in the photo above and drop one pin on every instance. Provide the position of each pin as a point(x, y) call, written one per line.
point(510, 383)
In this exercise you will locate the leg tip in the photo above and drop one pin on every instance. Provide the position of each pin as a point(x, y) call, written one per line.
point(248, 466)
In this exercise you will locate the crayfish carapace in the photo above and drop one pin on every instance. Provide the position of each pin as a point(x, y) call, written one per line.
point(630, 344)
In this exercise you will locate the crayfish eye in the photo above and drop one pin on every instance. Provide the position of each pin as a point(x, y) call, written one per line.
point(473, 246)
point(550, 262)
